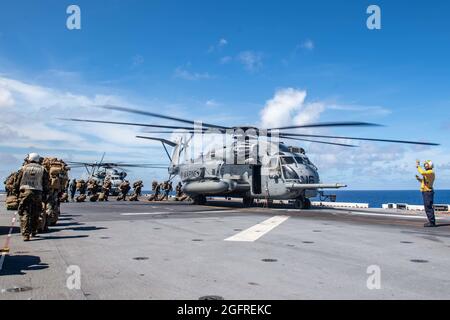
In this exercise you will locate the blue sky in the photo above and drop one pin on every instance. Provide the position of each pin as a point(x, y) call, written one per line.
point(224, 61)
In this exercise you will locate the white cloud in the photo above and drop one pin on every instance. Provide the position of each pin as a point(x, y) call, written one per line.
point(222, 42)
point(310, 113)
point(225, 60)
point(279, 110)
point(32, 120)
point(184, 74)
point(251, 60)
point(308, 45)
point(212, 103)
point(31, 124)
point(372, 165)
point(218, 46)
point(6, 99)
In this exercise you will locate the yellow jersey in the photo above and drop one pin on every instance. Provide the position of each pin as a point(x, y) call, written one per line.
point(426, 183)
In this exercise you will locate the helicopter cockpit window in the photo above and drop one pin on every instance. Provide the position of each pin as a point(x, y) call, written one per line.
point(308, 162)
point(273, 163)
point(289, 173)
point(287, 160)
point(299, 160)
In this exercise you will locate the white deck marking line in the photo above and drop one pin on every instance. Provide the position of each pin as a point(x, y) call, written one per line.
point(387, 215)
point(217, 211)
point(180, 212)
point(142, 213)
point(257, 231)
point(358, 213)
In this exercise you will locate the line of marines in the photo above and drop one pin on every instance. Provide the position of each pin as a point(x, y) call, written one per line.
point(38, 188)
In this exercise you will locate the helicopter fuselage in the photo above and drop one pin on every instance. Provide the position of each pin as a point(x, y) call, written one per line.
point(284, 175)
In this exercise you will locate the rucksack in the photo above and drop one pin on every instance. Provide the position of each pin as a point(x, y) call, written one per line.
point(58, 172)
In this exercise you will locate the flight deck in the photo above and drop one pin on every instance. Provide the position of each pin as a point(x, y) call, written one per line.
point(177, 250)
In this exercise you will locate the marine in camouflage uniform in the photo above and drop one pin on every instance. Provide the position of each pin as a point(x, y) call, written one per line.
point(11, 201)
point(138, 185)
point(156, 188)
point(178, 190)
point(180, 196)
point(32, 187)
point(93, 189)
point(124, 189)
point(106, 188)
point(167, 188)
point(52, 211)
point(82, 186)
point(9, 184)
point(58, 183)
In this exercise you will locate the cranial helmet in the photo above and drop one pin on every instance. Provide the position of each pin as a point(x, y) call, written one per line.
point(33, 157)
point(430, 163)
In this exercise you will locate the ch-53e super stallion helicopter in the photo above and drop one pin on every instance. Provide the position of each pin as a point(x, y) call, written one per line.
point(114, 171)
point(252, 163)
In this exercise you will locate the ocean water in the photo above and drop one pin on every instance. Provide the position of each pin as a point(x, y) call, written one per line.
point(375, 198)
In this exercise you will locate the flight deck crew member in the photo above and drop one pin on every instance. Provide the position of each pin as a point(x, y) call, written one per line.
point(426, 187)
point(32, 187)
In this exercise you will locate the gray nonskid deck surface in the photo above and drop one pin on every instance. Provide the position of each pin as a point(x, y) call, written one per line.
point(178, 251)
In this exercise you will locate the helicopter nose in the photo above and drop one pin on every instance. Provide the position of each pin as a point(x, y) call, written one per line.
point(308, 174)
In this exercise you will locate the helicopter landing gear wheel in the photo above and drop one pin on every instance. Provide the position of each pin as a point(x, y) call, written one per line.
point(307, 204)
point(298, 203)
point(247, 202)
point(302, 203)
point(199, 200)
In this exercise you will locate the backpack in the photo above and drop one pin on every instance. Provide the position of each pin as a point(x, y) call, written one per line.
point(81, 198)
point(12, 203)
point(58, 172)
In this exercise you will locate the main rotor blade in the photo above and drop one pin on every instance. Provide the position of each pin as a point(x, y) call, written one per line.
point(127, 123)
point(361, 139)
point(90, 164)
point(115, 164)
point(168, 142)
point(157, 115)
point(323, 142)
point(192, 131)
point(125, 165)
point(330, 124)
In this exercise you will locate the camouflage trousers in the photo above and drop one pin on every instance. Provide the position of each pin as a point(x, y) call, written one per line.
point(30, 208)
point(106, 194)
point(123, 196)
point(51, 214)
